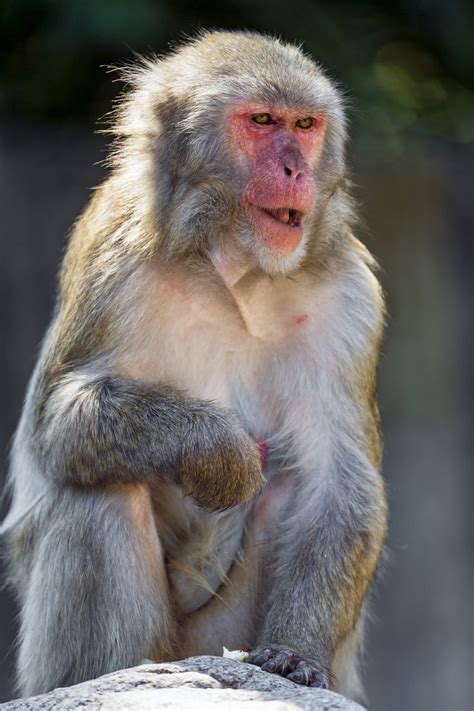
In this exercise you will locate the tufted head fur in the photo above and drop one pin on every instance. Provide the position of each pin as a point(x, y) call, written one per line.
point(172, 135)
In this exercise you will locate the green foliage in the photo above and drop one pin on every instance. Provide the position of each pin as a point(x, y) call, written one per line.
point(406, 65)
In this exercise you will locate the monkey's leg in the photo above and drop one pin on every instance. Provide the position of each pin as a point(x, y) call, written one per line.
point(97, 599)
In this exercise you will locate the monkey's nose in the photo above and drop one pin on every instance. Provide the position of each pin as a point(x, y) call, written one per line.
point(293, 166)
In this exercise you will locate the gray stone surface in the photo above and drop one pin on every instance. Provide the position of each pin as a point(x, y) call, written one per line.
point(195, 684)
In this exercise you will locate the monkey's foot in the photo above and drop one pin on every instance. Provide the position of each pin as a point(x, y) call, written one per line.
point(286, 662)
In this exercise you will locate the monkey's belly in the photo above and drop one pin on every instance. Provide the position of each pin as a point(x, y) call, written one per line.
point(199, 546)
point(230, 619)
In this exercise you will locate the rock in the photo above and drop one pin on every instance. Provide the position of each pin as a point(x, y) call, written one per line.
point(194, 684)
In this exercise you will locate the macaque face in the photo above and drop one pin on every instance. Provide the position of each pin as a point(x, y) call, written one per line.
point(278, 149)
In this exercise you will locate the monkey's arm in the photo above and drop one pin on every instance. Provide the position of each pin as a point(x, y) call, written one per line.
point(327, 551)
point(95, 429)
point(325, 565)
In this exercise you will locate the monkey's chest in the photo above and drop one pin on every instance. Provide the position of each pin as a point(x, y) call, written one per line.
point(227, 345)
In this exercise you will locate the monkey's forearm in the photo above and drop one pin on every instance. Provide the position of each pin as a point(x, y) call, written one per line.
point(101, 430)
point(338, 551)
point(315, 615)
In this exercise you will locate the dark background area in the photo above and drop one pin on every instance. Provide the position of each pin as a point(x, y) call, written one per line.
point(407, 67)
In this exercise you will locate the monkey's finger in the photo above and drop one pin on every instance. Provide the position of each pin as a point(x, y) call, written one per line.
point(307, 674)
point(260, 656)
point(282, 663)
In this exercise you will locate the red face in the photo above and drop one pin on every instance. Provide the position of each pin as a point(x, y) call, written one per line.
point(280, 148)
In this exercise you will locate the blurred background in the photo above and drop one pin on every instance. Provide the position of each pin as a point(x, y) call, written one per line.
point(407, 67)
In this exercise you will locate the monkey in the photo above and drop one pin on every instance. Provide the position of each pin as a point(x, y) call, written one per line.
point(197, 463)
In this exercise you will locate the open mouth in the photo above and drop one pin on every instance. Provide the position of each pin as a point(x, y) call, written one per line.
point(279, 228)
point(284, 215)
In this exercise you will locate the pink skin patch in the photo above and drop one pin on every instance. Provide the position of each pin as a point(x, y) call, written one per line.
point(281, 189)
point(301, 319)
point(262, 450)
point(177, 287)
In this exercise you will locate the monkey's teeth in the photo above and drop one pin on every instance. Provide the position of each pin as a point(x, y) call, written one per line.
point(282, 214)
point(285, 215)
point(295, 218)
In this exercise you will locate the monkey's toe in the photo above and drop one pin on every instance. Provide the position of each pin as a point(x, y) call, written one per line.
point(288, 663)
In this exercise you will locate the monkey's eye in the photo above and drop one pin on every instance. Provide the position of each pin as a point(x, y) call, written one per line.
point(305, 122)
point(262, 119)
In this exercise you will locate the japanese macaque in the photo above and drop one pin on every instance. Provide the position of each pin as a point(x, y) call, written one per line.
point(197, 463)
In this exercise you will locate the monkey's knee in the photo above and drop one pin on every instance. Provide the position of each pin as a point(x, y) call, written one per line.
point(97, 598)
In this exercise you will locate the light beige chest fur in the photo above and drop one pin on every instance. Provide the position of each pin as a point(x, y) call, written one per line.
point(221, 344)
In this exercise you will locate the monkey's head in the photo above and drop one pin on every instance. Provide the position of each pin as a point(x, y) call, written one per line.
point(242, 138)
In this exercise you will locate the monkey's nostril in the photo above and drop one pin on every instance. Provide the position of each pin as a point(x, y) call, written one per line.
point(288, 171)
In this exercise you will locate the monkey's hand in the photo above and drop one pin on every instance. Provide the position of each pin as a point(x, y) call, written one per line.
point(220, 462)
point(278, 659)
